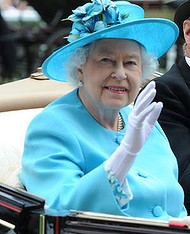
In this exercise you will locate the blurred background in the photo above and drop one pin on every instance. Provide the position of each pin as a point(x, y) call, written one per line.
point(30, 30)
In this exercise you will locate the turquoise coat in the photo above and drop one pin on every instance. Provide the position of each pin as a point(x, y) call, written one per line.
point(63, 161)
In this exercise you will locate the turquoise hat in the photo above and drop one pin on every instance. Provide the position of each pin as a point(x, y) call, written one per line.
point(107, 19)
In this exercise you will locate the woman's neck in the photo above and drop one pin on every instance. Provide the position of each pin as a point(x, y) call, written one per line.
point(107, 117)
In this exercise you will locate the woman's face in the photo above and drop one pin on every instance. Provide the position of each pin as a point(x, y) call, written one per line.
point(111, 76)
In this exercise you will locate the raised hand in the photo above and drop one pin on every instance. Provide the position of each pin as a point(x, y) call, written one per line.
point(141, 121)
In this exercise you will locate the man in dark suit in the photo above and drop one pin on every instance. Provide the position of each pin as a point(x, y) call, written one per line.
point(173, 89)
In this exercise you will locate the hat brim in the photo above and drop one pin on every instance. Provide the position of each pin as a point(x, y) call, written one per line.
point(157, 35)
point(182, 13)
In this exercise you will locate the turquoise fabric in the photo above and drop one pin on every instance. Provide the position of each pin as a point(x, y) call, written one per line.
point(63, 161)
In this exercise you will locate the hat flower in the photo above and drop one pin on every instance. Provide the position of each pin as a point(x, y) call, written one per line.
point(92, 17)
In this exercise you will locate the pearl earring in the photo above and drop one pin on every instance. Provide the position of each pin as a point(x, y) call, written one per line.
point(80, 83)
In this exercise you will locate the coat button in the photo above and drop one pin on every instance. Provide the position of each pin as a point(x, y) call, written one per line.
point(119, 139)
point(157, 211)
point(142, 174)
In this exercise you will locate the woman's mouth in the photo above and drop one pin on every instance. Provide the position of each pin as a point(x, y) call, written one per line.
point(118, 90)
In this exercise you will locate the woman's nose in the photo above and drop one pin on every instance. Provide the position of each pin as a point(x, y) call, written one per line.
point(119, 73)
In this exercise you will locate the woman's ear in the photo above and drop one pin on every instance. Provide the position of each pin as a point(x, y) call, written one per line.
point(80, 74)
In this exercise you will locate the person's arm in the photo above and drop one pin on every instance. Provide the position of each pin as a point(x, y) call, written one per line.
point(174, 119)
point(55, 167)
point(140, 123)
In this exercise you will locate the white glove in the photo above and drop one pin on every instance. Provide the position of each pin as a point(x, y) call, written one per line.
point(141, 120)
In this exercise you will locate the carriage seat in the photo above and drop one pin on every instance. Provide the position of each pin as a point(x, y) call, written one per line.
point(20, 102)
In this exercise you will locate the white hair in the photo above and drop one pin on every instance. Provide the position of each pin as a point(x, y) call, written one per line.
point(80, 55)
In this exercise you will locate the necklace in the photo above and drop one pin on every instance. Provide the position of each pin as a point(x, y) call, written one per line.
point(120, 123)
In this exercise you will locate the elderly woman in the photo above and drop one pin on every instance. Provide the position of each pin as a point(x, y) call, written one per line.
point(90, 150)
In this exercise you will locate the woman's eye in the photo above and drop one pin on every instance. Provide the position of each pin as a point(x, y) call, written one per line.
point(106, 60)
point(131, 63)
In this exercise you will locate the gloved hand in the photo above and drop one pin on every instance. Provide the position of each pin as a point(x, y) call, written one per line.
point(141, 120)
